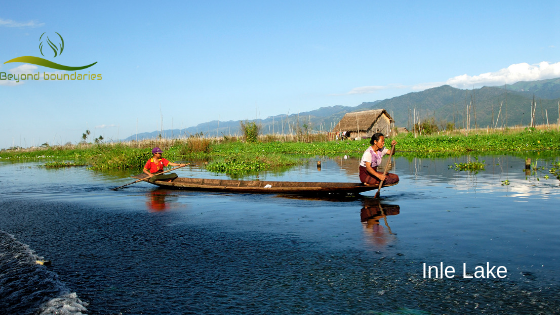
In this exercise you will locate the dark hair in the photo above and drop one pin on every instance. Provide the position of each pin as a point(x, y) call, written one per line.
point(375, 137)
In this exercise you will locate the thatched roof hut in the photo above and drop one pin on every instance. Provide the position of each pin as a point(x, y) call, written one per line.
point(366, 123)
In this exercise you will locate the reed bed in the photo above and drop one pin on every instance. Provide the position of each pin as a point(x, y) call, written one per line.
point(232, 154)
point(473, 166)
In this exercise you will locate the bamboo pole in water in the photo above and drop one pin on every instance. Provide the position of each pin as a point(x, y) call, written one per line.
point(531, 115)
point(499, 112)
point(357, 126)
point(474, 109)
point(492, 112)
point(505, 87)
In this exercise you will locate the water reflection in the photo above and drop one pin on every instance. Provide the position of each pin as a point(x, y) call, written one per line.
point(371, 214)
point(161, 200)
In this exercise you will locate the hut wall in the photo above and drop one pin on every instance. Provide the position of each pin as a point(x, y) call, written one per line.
point(358, 134)
point(382, 124)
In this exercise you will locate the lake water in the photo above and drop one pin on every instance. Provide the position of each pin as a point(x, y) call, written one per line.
point(145, 250)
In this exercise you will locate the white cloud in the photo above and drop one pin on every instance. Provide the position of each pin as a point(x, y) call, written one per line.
point(367, 89)
point(10, 83)
point(512, 74)
point(372, 89)
point(19, 70)
point(105, 126)
point(10, 23)
point(24, 69)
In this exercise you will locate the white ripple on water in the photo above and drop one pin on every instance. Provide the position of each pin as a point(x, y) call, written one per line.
point(29, 288)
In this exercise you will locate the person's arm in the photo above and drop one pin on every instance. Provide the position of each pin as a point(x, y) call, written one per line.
point(167, 163)
point(176, 164)
point(394, 144)
point(148, 172)
point(370, 170)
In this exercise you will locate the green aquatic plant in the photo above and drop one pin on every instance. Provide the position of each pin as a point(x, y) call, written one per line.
point(63, 164)
point(133, 155)
point(470, 166)
point(555, 170)
point(241, 164)
point(232, 166)
point(517, 142)
point(535, 171)
point(119, 157)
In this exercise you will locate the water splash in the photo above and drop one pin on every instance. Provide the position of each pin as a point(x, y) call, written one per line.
point(29, 288)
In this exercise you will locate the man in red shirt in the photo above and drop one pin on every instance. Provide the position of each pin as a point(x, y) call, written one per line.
point(155, 166)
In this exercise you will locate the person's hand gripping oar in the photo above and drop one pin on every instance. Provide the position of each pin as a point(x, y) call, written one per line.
point(385, 172)
point(146, 178)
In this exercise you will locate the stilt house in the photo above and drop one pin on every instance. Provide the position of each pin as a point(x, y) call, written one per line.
point(365, 123)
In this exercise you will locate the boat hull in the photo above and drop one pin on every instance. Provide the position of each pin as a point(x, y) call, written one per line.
point(271, 187)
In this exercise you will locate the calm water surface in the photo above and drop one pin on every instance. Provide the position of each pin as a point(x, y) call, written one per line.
point(145, 250)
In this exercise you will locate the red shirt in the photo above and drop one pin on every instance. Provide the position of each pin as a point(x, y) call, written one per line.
point(154, 167)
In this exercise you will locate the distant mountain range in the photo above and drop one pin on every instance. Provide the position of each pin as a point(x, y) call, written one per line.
point(489, 105)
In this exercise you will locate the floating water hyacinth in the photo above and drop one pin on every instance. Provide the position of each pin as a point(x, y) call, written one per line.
point(470, 166)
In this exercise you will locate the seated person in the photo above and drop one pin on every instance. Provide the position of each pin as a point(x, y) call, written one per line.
point(371, 160)
point(154, 167)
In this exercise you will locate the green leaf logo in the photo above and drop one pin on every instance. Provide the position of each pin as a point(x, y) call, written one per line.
point(47, 42)
point(57, 46)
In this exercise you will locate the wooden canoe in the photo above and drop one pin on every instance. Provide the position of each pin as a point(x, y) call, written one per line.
point(272, 187)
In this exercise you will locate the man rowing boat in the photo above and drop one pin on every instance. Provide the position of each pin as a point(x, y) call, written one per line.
point(154, 167)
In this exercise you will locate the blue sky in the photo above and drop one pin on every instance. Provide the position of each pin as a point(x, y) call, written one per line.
point(196, 61)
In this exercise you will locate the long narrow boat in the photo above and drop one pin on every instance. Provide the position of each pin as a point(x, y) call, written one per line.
point(254, 186)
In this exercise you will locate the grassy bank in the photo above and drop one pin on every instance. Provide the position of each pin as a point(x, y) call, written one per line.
point(233, 156)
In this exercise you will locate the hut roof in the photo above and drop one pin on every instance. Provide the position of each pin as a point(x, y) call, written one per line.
point(365, 120)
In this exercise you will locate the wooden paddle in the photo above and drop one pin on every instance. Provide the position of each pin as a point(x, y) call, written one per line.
point(146, 178)
point(385, 172)
point(385, 219)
